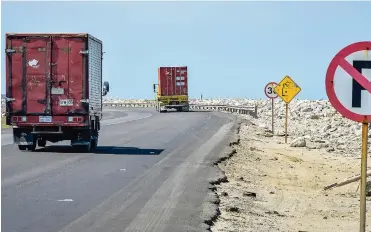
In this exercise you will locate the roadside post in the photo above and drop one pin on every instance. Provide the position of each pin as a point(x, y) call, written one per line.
point(348, 87)
point(270, 93)
point(287, 89)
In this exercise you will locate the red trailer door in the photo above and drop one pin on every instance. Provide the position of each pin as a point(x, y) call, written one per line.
point(46, 74)
point(27, 66)
point(67, 74)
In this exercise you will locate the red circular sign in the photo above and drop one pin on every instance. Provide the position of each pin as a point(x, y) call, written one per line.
point(339, 61)
point(269, 90)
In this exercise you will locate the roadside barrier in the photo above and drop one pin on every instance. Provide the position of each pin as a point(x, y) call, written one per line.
point(248, 110)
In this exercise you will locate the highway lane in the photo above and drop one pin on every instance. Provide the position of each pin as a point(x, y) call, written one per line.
point(110, 117)
point(146, 175)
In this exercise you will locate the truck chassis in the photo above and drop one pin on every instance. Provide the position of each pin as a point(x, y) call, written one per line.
point(84, 138)
point(179, 103)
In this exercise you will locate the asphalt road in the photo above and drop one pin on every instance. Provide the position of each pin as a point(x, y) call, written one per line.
point(149, 173)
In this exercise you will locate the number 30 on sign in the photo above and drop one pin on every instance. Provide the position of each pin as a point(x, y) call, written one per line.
point(269, 90)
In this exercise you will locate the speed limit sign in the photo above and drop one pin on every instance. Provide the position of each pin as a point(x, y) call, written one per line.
point(269, 90)
point(271, 94)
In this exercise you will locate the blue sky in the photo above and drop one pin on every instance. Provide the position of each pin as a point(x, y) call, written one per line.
point(232, 49)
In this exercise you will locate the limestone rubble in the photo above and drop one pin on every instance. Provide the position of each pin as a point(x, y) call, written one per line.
point(314, 121)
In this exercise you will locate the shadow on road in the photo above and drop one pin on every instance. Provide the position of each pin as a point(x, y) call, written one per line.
point(108, 150)
point(112, 150)
point(190, 111)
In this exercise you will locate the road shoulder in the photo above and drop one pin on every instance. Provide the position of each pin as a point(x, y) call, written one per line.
point(217, 176)
point(270, 186)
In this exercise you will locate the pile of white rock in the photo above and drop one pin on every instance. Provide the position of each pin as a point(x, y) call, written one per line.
point(313, 124)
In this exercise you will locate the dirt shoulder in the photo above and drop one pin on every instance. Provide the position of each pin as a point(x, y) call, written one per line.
point(274, 187)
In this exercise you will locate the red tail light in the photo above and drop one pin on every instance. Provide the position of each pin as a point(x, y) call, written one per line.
point(75, 119)
point(19, 119)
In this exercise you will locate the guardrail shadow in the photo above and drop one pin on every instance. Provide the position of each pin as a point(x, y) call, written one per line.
point(107, 150)
point(190, 111)
point(195, 110)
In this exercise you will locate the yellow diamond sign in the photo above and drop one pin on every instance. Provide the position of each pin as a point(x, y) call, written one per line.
point(287, 89)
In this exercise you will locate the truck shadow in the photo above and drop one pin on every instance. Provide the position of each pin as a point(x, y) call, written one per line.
point(113, 150)
point(106, 150)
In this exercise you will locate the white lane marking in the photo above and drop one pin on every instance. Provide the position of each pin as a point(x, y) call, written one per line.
point(34, 172)
point(156, 213)
point(122, 169)
point(7, 139)
point(103, 213)
point(37, 171)
point(66, 200)
point(132, 116)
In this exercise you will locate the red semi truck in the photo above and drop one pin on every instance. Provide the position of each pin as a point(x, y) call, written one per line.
point(54, 89)
point(172, 89)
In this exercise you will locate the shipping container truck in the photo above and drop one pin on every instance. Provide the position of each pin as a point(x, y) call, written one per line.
point(172, 89)
point(54, 89)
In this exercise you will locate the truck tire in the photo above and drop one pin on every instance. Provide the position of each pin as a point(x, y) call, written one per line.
point(22, 147)
point(87, 148)
point(93, 144)
point(185, 108)
point(41, 142)
point(32, 147)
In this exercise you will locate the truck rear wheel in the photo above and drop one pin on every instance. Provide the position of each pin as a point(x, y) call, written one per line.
point(41, 142)
point(92, 144)
point(32, 147)
point(185, 108)
point(22, 147)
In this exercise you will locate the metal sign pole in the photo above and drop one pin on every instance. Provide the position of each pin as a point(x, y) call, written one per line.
point(287, 89)
point(287, 115)
point(354, 66)
point(363, 177)
point(272, 115)
point(271, 94)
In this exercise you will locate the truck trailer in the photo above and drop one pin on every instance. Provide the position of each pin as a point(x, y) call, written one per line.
point(172, 89)
point(54, 89)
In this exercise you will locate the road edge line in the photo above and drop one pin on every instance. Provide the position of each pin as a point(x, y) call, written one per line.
point(213, 202)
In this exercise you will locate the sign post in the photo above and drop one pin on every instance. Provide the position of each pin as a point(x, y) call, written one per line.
point(348, 87)
point(287, 89)
point(269, 92)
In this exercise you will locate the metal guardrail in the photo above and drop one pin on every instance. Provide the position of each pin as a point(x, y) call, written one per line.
point(248, 110)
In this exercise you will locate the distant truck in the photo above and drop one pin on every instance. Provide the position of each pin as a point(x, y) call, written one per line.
point(54, 89)
point(172, 89)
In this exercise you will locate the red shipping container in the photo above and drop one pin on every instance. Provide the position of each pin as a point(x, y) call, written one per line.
point(48, 74)
point(173, 81)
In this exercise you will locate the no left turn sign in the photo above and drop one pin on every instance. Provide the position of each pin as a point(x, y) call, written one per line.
point(348, 82)
point(269, 90)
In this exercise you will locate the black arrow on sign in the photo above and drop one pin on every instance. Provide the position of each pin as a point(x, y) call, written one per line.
point(356, 87)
